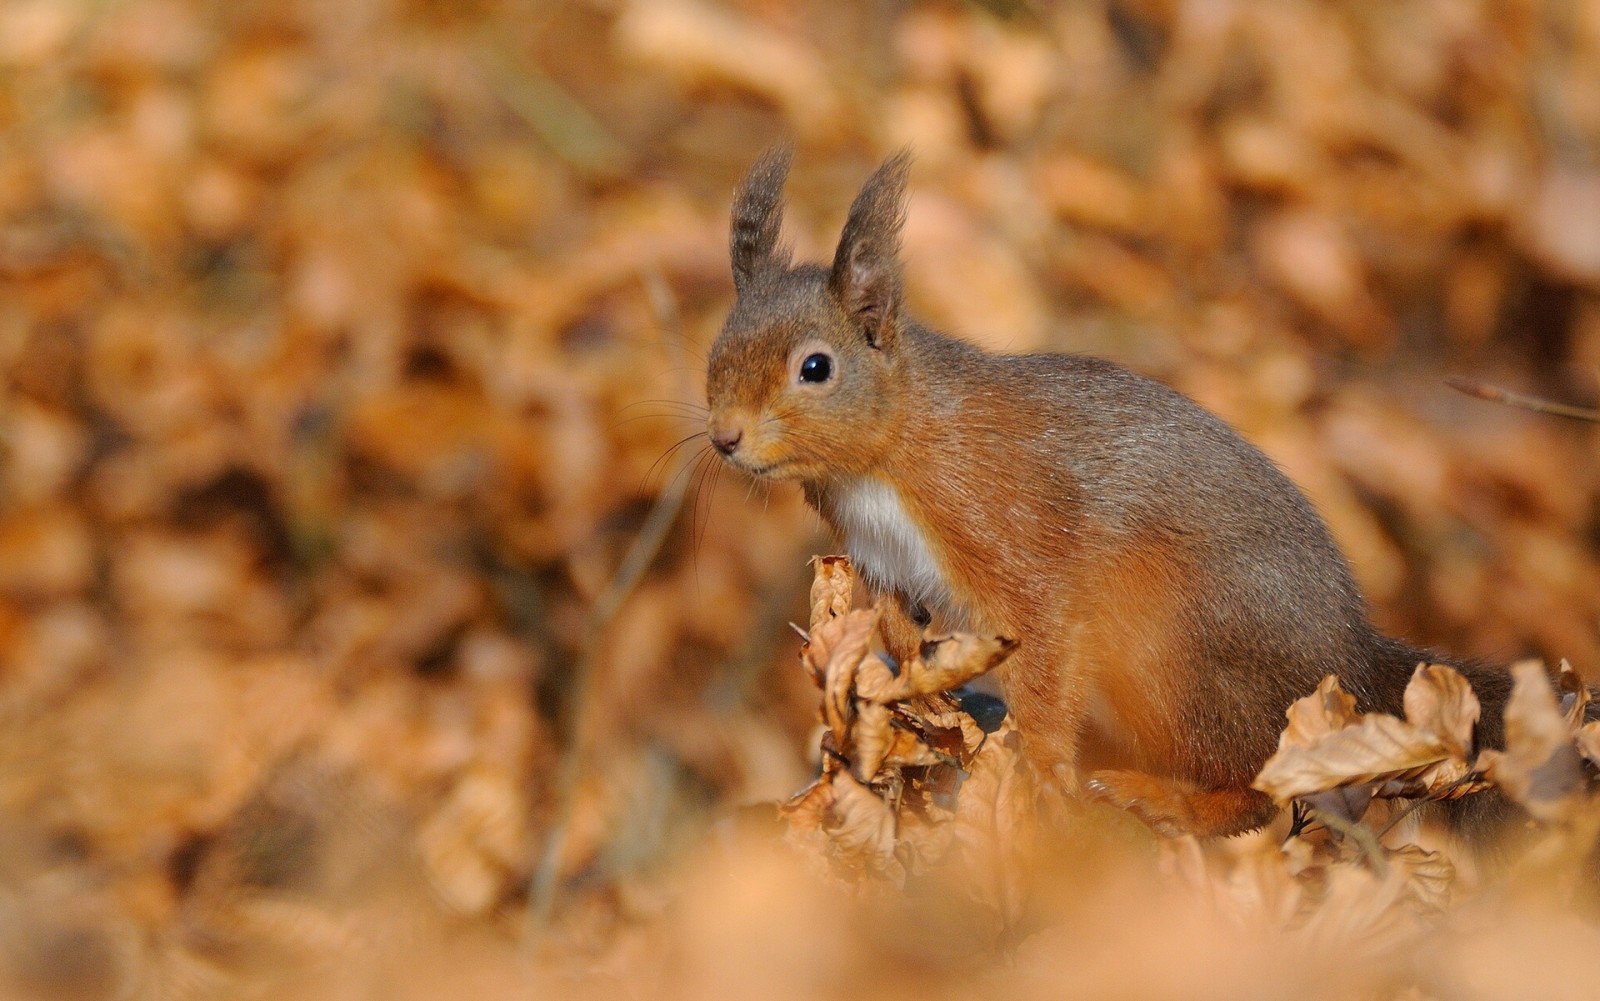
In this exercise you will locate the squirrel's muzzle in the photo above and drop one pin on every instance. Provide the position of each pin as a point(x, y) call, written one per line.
point(726, 438)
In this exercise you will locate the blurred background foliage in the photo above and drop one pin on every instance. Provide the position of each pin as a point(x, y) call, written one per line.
point(353, 599)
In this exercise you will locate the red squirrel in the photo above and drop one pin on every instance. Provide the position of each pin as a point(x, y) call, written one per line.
point(1172, 590)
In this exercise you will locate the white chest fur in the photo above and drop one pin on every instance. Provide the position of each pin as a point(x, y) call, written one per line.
point(886, 544)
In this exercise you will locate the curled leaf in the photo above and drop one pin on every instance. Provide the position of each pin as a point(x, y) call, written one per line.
point(1574, 696)
point(831, 588)
point(1422, 756)
point(909, 751)
point(1540, 768)
point(809, 809)
point(1440, 702)
point(832, 656)
point(951, 661)
point(877, 682)
point(862, 825)
point(1325, 710)
point(873, 736)
point(1588, 738)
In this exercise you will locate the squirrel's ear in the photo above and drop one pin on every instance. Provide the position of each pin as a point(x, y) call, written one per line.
point(866, 267)
point(757, 216)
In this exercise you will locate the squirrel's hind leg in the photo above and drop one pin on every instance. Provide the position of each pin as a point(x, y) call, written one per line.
point(1173, 807)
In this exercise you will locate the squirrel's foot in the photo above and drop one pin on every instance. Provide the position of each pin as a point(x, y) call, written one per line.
point(1173, 807)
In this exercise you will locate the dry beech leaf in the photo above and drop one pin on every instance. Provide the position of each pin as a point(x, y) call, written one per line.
point(1439, 701)
point(1574, 696)
point(873, 738)
point(1420, 758)
point(949, 733)
point(809, 809)
point(1359, 906)
point(1429, 877)
point(1588, 737)
point(992, 822)
point(1327, 709)
point(951, 661)
point(862, 825)
point(909, 751)
point(877, 682)
point(831, 588)
point(831, 657)
point(1540, 768)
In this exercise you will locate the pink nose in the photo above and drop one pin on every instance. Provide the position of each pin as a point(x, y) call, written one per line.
point(726, 439)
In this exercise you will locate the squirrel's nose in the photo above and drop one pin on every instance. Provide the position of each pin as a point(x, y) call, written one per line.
point(726, 439)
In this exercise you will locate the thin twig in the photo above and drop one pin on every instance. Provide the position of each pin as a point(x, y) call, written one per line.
point(1440, 797)
point(1360, 835)
point(1494, 394)
point(545, 883)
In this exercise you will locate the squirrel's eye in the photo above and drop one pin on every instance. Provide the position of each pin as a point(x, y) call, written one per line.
point(816, 368)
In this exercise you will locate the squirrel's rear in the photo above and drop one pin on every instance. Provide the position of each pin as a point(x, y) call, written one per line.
point(1172, 590)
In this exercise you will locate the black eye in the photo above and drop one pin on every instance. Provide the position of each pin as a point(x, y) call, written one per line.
point(816, 368)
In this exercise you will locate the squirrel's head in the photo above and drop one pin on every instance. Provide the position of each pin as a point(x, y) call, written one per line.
point(801, 382)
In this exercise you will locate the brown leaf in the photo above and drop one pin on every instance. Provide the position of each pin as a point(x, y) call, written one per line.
point(1429, 875)
point(1439, 701)
point(951, 661)
point(872, 737)
point(832, 656)
point(877, 682)
point(1379, 749)
point(909, 751)
point(861, 826)
point(1574, 696)
point(1423, 756)
point(994, 811)
point(951, 732)
point(831, 588)
point(1589, 742)
point(1327, 709)
point(809, 809)
point(1540, 767)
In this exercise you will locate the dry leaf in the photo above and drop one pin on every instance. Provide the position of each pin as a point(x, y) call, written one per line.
point(1440, 702)
point(951, 661)
point(1327, 709)
point(873, 737)
point(809, 809)
point(1574, 696)
point(1422, 756)
point(1430, 876)
point(861, 825)
point(831, 656)
point(1588, 738)
point(1540, 768)
point(832, 587)
point(993, 820)
point(877, 682)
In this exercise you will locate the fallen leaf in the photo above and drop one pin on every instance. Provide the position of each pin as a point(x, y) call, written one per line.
point(1327, 709)
point(832, 587)
point(1574, 696)
point(1421, 756)
point(1540, 768)
point(872, 739)
point(1439, 701)
point(861, 825)
point(951, 661)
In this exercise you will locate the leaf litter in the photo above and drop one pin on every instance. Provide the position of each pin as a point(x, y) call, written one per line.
point(324, 336)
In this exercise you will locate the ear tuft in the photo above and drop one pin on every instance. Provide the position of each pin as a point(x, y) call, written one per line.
point(758, 216)
point(866, 267)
